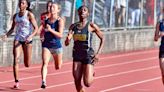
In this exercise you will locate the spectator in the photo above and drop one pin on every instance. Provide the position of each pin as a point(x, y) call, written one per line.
point(150, 12)
point(106, 12)
point(135, 12)
point(120, 10)
point(121, 17)
point(66, 9)
point(11, 7)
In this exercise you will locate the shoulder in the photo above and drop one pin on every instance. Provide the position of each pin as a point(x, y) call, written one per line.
point(73, 25)
point(30, 14)
point(15, 15)
point(159, 22)
point(61, 20)
point(93, 25)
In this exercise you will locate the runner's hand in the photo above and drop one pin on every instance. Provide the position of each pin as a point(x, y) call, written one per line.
point(42, 38)
point(28, 39)
point(95, 59)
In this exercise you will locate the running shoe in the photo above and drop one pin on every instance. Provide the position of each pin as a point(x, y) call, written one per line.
point(43, 85)
point(16, 85)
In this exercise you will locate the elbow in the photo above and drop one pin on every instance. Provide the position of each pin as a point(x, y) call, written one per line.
point(36, 31)
point(60, 36)
point(36, 28)
point(102, 39)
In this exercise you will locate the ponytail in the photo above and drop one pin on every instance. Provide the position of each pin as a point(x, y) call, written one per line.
point(29, 4)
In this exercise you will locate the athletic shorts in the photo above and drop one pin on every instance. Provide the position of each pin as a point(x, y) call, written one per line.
point(161, 51)
point(87, 60)
point(55, 50)
point(83, 57)
point(23, 42)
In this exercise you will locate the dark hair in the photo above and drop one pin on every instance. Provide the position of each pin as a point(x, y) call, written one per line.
point(48, 3)
point(82, 7)
point(28, 5)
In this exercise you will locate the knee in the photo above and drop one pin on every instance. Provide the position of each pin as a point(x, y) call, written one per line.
point(45, 64)
point(16, 60)
point(87, 84)
point(58, 67)
point(27, 63)
point(77, 82)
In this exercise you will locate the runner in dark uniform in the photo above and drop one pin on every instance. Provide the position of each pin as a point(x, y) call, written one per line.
point(84, 56)
point(159, 33)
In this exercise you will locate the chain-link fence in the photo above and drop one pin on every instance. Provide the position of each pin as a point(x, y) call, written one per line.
point(108, 14)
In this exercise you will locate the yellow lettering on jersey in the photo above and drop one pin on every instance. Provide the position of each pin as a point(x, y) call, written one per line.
point(79, 37)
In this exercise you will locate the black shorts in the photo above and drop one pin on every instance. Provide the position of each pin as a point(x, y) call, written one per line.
point(87, 60)
point(85, 57)
point(23, 42)
point(161, 52)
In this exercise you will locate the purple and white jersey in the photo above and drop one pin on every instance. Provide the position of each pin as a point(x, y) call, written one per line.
point(23, 27)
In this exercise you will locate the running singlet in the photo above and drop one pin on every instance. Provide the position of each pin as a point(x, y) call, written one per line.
point(82, 42)
point(161, 25)
point(50, 40)
point(23, 27)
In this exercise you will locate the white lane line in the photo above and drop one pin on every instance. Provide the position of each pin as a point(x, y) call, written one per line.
point(133, 53)
point(99, 77)
point(126, 72)
point(131, 84)
point(98, 67)
point(133, 61)
point(63, 84)
point(108, 57)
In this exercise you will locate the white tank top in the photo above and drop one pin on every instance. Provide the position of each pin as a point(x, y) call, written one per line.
point(23, 27)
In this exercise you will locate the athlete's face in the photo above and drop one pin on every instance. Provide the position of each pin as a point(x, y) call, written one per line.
point(54, 9)
point(23, 5)
point(83, 12)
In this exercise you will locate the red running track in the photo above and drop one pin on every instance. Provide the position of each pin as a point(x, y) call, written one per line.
point(118, 72)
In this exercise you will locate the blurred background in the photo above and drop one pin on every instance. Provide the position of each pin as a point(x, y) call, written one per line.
point(108, 14)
